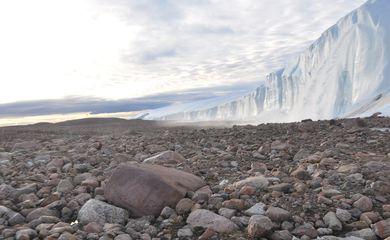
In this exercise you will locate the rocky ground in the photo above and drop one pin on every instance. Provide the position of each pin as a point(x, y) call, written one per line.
point(116, 179)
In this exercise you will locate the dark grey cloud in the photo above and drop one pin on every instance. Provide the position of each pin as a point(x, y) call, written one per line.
point(97, 105)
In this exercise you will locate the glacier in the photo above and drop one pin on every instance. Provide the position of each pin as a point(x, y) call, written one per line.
point(344, 73)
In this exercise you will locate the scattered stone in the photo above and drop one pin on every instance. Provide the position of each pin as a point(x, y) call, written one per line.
point(227, 212)
point(277, 214)
point(123, 237)
point(364, 204)
point(258, 182)
point(26, 234)
point(257, 209)
point(184, 233)
point(281, 187)
point(65, 186)
point(281, 235)
point(301, 174)
point(237, 204)
point(167, 212)
point(184, 206)
point(208, 234)
point(13, 218)
point(333, 222)
point(93, 227)
point(305, 230)
point(37, 213)
point(207, 219)
point(100, 212)
point(324, 231)
point(343, 215)
point(259, 226)
point(382, 228)
point(366, 234)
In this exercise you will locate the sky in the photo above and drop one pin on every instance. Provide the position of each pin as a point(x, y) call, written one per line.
point(121, 54)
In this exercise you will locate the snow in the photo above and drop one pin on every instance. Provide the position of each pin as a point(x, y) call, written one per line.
point(341, 74)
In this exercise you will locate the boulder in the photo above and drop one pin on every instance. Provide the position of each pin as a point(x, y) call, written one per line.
point(145, 189)
point(167, 157)
point(207, 219)
point(100, 212)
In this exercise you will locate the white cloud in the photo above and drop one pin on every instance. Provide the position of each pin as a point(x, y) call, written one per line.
point(131, 48)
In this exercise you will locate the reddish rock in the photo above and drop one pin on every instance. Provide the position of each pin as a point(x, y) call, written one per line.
point(301, 174)
point(370, 217)
point(208, 234)
point(364, 204)
point(57, 162)
point(278, 214)
point(207, 219)
point(237, 204)
point(386, 208)
point(184, 206)
point(259, 226)
point(202, 194)
point(247, 190)
point(93, 227)
point(90, 182)
point(382, 228)
point(146, 189)
point(307, 230)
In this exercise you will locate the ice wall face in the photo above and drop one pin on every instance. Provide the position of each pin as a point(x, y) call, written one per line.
point(346, 67)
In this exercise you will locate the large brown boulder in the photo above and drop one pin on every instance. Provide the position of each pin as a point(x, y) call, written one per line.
point(145, 189)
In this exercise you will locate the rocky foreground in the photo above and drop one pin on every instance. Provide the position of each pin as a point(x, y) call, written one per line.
point(122, 180)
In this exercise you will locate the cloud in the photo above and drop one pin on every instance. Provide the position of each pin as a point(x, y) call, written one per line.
point(122, 49)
